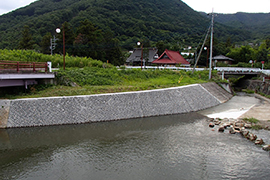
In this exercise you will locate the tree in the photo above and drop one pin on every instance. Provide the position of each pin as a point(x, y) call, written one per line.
point(267, 42)
point(228, 42)
point(262, 52)
point(89, 41)
point(26, 40)
point(242, 54)
point(112, 49)
point(69, 39)
point(46, 43)
point(161, 47)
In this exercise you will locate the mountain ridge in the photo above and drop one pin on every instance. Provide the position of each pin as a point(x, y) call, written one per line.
point(130, 20)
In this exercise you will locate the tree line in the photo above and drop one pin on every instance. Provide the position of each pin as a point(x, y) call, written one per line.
point(87, 40)
point(251, 55)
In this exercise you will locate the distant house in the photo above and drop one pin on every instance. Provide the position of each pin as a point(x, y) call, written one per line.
point(135, 57)
point(222, 59)
point(171, 58)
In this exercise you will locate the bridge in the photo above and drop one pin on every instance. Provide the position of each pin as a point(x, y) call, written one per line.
point(241, 71)
point(24, 73)
point(226, 70)
point(221, 70)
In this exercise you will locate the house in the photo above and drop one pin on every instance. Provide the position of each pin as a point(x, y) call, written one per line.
point(222, 59)
point(171, 58)
point(135, 57)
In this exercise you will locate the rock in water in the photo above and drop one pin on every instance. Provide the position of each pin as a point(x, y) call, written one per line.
point(221, 129)
point(251, 137)
point(266, 148)
point(259, 141)
point(248, 126)
point(211, 125)
point(232, 130)
point(245, 132)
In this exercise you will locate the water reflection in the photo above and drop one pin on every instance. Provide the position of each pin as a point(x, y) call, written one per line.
point(165, 147)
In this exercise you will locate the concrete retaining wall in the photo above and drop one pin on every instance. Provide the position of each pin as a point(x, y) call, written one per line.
point(106, 107)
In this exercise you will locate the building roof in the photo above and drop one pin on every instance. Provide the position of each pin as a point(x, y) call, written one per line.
point(222, 58)
point(171, 57)
point(136, 55)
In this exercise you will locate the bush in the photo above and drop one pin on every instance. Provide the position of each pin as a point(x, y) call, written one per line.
point(57, 60)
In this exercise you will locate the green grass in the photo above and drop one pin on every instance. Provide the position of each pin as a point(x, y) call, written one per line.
point(268, 96)
point(254, 121)
point(248, 91)
point(96, 77)
point(257, 127)
point(251, 120)
point(93, 80)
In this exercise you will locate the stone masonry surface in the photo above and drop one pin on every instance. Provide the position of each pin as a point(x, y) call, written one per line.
point(4, 112)
point(106, 107)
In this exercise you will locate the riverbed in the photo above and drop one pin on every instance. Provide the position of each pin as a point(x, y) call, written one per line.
point(164, 147)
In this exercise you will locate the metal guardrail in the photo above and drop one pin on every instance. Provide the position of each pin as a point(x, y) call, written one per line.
point(238, 69)
point(220, 69)
point(23, 66)
point(243, 70)
point(172, 68)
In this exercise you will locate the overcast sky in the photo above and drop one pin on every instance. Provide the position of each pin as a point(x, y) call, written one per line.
point(229, 6)
point(219, 6)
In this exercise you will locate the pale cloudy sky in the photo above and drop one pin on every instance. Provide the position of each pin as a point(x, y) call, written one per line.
point(10, 5)
point(219, 6)
point(230, 6)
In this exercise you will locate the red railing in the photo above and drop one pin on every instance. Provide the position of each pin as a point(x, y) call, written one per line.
point(23, 66)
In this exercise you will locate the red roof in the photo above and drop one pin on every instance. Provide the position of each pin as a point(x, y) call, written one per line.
point(170, 57)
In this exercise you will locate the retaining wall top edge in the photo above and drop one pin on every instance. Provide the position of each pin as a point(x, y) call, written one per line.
point(107, 94)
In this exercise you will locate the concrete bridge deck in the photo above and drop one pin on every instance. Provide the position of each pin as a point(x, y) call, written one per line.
point(24, 73)
point(7, 80)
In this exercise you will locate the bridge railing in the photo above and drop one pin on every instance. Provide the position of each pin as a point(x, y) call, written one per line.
point(23, 66)
point(238, 69)
point(161, 67)
point(219, 69)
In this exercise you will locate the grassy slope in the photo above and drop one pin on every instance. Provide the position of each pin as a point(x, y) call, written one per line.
point(95, 77)
point(123, 81)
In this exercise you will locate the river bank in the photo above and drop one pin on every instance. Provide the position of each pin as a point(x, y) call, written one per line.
point(242, 106)
point(244, 114)
point(110, 107)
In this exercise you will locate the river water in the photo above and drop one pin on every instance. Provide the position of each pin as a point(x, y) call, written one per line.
point(158, 148)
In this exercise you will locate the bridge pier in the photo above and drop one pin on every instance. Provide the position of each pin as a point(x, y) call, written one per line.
point(223, 75)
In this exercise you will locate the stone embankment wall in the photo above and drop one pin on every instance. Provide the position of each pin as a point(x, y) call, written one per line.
point(108, 107)
point(257, 86)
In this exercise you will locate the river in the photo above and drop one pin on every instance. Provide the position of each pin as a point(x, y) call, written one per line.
point(165, 147)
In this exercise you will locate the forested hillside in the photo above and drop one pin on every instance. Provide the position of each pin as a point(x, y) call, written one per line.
point(257, 23)
point(128, 21)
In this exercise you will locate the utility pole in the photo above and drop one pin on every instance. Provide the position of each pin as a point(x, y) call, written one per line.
point(211, 45)
point(64, 48)
point(58, 30)
point(140, 43)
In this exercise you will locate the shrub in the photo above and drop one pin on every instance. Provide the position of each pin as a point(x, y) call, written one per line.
point(57, 60)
